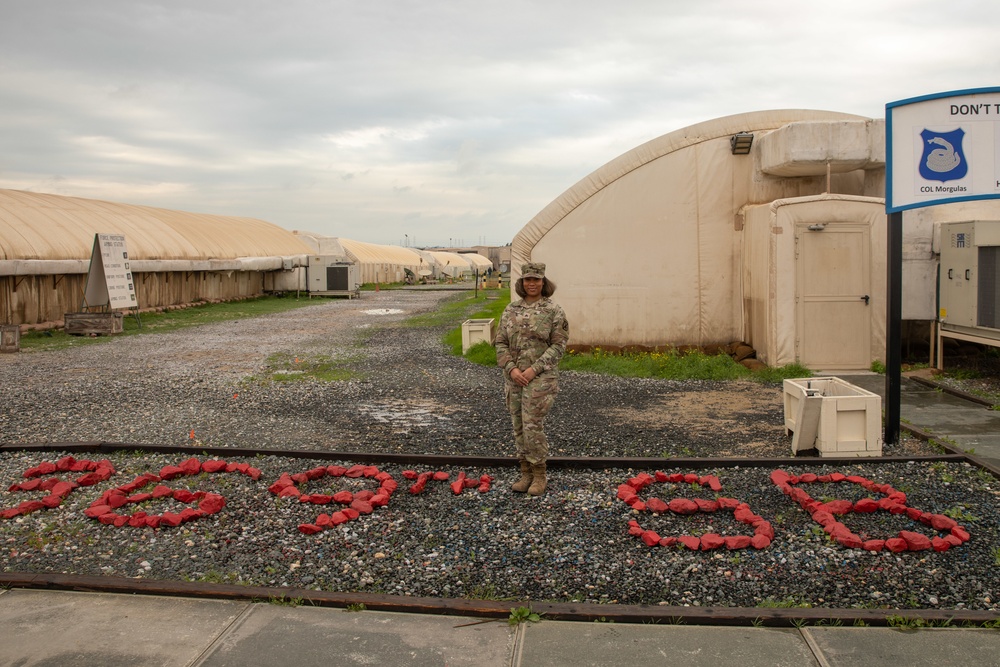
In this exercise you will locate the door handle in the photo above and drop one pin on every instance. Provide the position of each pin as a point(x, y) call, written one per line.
point(866, 299)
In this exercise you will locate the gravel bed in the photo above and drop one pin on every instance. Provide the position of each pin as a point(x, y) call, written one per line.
point(409, 396)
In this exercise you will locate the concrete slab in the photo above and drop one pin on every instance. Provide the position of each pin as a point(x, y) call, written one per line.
point(557, 643)
point(306, 636)
point(103, 630)
point(861, 647)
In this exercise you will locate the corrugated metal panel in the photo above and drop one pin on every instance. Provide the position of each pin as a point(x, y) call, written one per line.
point(44, 226)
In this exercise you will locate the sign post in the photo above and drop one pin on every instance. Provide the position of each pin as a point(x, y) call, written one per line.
point(940, 148)
point(110, 282)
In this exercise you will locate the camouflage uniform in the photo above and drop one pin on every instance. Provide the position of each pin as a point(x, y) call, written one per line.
point(531, 335)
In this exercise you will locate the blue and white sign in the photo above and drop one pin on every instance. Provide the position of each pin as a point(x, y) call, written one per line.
point(942, 148)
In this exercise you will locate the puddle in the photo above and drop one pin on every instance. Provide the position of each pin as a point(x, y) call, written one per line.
point(407, 414)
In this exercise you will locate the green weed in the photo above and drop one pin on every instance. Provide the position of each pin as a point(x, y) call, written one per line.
point(520, 615)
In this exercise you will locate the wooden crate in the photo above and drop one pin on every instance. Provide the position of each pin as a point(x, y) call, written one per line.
point(10, 338)
point(93, 324)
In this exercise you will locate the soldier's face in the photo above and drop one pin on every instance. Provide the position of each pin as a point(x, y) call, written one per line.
point(533, 286)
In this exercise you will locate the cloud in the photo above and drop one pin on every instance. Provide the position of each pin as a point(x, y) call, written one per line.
point(375, 120)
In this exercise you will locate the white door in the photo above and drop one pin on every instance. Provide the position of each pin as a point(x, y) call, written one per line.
point(833, 296)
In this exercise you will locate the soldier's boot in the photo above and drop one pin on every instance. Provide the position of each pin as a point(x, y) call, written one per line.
point(538, 482)
point(521, 485)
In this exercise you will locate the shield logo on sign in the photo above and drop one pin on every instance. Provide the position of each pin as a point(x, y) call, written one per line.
point(943, 158)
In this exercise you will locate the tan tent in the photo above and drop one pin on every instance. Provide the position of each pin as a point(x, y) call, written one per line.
point(648, 249)
point(382, 263)
point(178, 257)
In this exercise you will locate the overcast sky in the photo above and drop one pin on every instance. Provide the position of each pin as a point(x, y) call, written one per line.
point(429, 122)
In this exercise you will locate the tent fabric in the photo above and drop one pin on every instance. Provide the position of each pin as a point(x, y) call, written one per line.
point(477, 261)
point(646, 250)
point(451, 264)
point(35, 226)
point(382, 263)
point(325, 246)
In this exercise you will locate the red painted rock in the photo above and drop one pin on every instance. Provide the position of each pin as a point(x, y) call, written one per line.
point(52, 500)
point(866, 505)
point(683, 506)
point(839, 506)
point(289, 492)
point(913, 513)
point(162, 491)
point(760, 542)
point(212, 503)
point(362, 506)
point(343, 497)
point(336, 471)
point(355, 471)
point(823, 518)
point(251, 472)
point(960, 533)
point(873, 545)
point(324, 521)
point(850, 540)
point(634, 528)
point(837, 477)
point(895, 544)
point(214, 466)
point(96, 511)
point(660, 476)
point(690, 541)
point(183, 495)
point(390, 485)
point(351, 513)
point(915, 541)
point(650, 538)
point(675, 478)
point(140, 497)
point(170, 519)
point(338, 518)
point(711, 541)
point(952, 540)
point(668, 541)
point(690, 478)
point(320, 498)
point(657, 506)
point(369, 471)
point(707, 506)
point(737, 542)
point(191, 467)
point(728, 503)
point(779, 477)
point(169, 472)
point(65, 464)
point(764, 528)
point(625, 491)
point(309, 528)
point(942, 522)
point(379, 500)
point(316, 473)
point(440, 476)
point(108, 519)
point(939, 544)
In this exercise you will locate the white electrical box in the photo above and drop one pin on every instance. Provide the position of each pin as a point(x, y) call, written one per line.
point(970, 279)
point(332, 276)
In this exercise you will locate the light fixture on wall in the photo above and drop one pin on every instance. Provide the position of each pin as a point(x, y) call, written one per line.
point(818, 227)
point(740, 143)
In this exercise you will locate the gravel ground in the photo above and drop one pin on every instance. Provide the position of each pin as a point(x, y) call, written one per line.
point(408, 395)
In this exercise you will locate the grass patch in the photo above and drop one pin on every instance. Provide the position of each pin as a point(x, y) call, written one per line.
point(38, 341)
point(676, 365)
point(288, 367)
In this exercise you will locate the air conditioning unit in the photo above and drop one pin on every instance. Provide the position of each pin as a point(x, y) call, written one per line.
point(332, 276)
point(969, 306)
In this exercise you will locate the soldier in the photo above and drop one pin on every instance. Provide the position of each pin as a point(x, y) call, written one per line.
point(530, 341)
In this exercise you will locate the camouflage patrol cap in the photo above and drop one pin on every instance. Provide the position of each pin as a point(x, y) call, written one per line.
point(533, 270)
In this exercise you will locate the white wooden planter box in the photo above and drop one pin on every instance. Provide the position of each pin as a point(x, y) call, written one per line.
point(834, 417)
point(477, 331)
